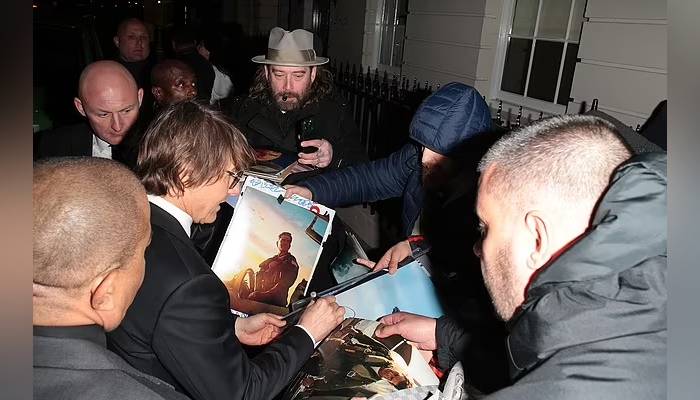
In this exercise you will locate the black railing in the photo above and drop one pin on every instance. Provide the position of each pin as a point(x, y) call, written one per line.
point(381, 107)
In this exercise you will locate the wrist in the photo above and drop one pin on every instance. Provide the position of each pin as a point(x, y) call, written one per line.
point(237, 327)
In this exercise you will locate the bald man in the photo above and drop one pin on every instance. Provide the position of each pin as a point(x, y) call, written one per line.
point(84, 282)
point(109, 99)
point(133, 43)
point(172, 81)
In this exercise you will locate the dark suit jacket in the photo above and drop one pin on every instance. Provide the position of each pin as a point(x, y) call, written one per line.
point(180, 328)
point(73, 363)
point(76, 140)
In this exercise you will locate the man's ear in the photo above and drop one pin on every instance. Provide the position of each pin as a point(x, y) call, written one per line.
point(140, 95)
point(102, 291)
point(79, 106)
point(313, 74)
point(536, 226)
point(116, 41)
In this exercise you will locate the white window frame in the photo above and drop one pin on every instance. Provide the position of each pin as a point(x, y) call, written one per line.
point(501, 49)
point(375, 45)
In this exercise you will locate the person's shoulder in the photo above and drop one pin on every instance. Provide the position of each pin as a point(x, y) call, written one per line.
point(98, 374)
point(240, 105)
point(78, 129)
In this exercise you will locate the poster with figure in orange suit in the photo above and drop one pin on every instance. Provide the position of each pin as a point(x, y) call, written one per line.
point(270, 248)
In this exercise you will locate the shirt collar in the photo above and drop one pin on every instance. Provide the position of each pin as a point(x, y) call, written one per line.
point(93, 333)
point(101, 144)
point(181, 216)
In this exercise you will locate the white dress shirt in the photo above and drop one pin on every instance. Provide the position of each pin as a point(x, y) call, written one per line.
point(100, 148)
point(182, 217)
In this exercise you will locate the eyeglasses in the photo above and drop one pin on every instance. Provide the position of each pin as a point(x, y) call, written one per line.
point(235, 178)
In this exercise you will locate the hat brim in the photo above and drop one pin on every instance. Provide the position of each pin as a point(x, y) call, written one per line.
point(263, 60)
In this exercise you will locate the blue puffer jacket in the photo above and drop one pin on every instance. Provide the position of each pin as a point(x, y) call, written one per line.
point(451, 115)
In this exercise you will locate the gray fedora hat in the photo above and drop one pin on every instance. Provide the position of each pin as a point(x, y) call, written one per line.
point(291, 49)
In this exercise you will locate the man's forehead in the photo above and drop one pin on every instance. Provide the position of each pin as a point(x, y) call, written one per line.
point(483, 193)
point(134, 27)
point(281, 68)
point(110, 101)
point(177, 72)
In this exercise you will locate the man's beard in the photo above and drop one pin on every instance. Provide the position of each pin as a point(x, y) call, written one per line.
point(500, 283)
point(289, 105)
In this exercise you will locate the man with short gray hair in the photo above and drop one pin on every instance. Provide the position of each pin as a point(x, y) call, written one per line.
point(573, 254)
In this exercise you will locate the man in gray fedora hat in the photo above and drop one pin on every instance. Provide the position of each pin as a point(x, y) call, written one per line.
point(291, 89)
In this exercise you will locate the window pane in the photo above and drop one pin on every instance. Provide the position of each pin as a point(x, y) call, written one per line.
point(554, 18)
point(389, 12)
point(515, 66)
point(545, 70)
point(399, 32)
point(567, 74)
point(524, 17)
point(386, 44)
point(577, 20)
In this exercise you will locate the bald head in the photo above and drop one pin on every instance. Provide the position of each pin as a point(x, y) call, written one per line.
point(109, 98)
point(105, 75)
point(89, 216)
point(132, 40)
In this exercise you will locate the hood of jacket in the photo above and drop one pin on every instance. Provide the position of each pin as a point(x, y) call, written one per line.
point(611, 284)
point(448, 117)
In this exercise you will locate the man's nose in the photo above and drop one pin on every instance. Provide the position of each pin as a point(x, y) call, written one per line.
point(117, 123)
point(477, 248)
point(288, 83)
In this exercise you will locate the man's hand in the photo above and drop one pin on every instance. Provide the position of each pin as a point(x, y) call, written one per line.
point(321, 317)
point(390, 259)
point(319, 158)
point(415, 328)
point(259, 329)
point(298, 190)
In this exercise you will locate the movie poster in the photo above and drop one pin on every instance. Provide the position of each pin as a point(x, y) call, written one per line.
point(353, 362)
point(270, 248)
point(409, 289)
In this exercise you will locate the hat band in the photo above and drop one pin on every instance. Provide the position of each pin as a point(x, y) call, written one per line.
point(307, 55)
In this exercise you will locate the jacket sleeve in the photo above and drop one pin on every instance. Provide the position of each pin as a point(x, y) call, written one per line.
point(375, 180)
point(194, 339)
point(452, 341)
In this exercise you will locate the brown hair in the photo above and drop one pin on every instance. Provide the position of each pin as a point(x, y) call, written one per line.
point(190, 140)
point(321, 87)
point(89, 216)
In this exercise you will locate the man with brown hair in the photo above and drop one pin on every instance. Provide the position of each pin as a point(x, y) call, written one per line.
point(180, 328)
point(91, 228)
point(292, 86)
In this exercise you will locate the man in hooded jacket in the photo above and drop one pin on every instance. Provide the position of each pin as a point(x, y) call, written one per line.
point(573, 253)
point(445, 120)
